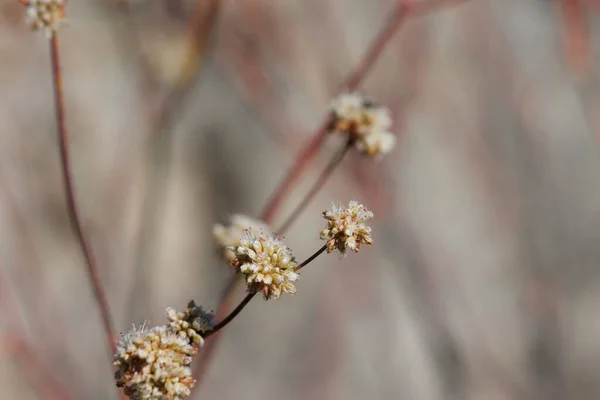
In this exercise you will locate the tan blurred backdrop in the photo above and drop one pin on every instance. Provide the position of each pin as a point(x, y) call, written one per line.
point(482, 282)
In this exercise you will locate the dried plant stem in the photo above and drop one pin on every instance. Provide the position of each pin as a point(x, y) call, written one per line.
point(231, 315)
point(73, 213)
point(335, 161)
point(311, 258)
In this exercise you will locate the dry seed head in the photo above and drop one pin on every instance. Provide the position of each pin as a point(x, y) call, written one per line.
point(346, 228)
point(367, 125)
point(46, 15)
point(229, 236)
point(266, 263)
point(154, 364)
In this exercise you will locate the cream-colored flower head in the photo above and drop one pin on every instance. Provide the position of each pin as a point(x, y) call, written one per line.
point(266, 263)
point(228, 236)
point(346, 228)
point(154, 364)
point(377, 143)
point(46, 15)
point(191, 323)
point(367, 125)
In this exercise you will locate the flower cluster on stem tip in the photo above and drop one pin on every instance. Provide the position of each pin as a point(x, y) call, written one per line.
point(230, 235)
point(346, 227)
point(367, 125)
point(45, 15)
point(266, 263)
point(154, 363)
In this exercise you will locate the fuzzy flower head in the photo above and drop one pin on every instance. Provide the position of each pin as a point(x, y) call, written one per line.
point(266, 263)
point(154, 364)
point(191, 323)
point(229, 236)
point(346, 228)
point(367, 125)
point(46, 15)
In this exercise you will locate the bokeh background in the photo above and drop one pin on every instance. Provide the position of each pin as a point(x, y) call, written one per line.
point(483, 282)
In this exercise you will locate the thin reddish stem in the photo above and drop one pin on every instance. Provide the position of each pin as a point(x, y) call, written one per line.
point(231, 315)
point(311, 258)
point(351, 83)
point(576, 36)
point(72, 210)
point(335, 161)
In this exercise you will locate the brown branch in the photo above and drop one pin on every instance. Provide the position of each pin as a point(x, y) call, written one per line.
point(72, 210)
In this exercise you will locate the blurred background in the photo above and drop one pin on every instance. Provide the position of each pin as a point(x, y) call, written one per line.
point(483, 281)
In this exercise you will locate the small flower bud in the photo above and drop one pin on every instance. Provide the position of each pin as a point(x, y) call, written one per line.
point(367, 125)
point(266, 263)
point(46, 15)
point(154, 364)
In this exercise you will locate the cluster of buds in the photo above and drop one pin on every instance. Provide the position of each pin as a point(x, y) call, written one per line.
point(266, 263)
point(45, 15)
point(346, 227)
point(192, 323)
point(366, 124)
point(154, 363)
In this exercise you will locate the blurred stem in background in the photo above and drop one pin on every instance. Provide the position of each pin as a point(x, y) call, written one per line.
point(72, 209)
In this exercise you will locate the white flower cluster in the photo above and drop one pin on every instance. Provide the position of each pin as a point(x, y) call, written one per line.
point(267, 264)
point(367, 125)
point(229, 236)
point(346, 228)
point(154, 364)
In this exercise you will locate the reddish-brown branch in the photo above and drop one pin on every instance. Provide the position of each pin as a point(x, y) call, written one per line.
point(576, 36)
point(72, 210)
point(350, 84)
